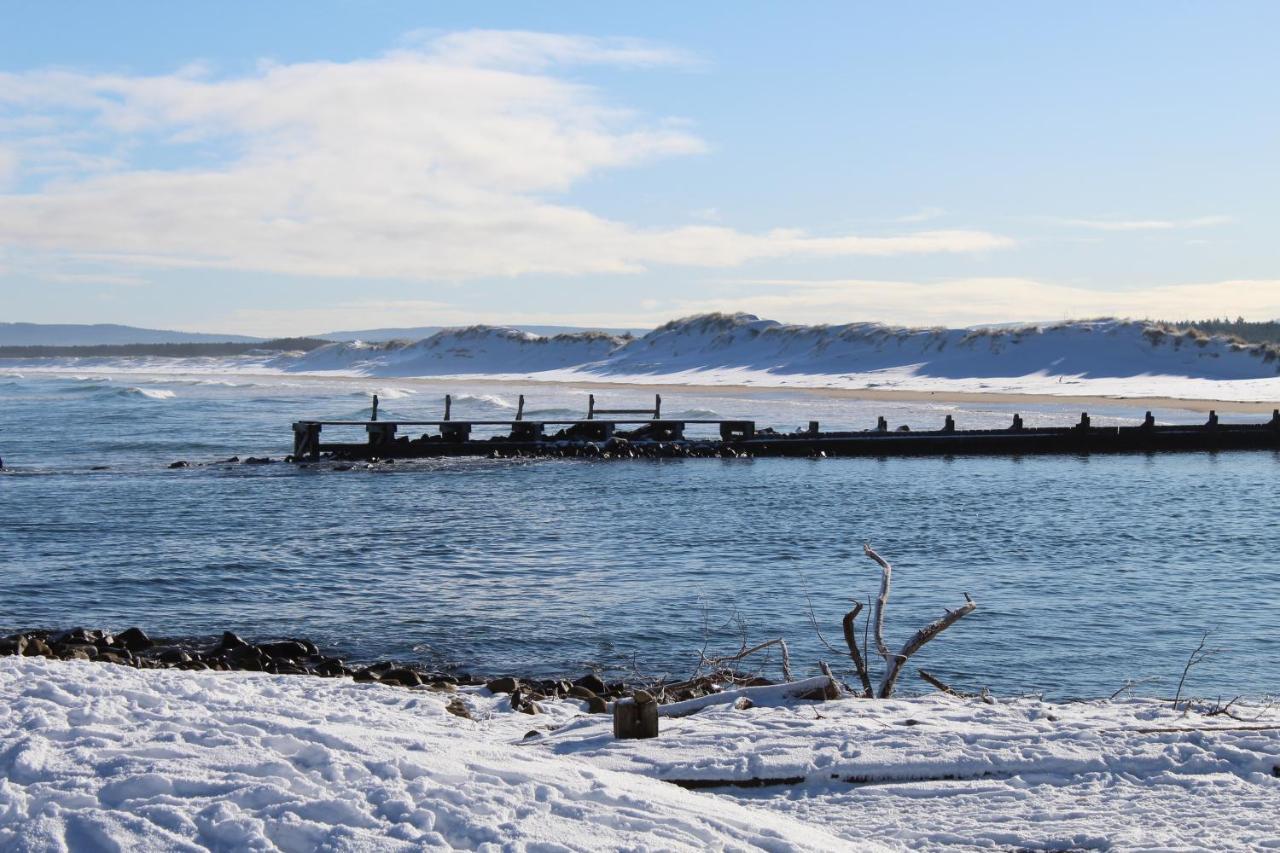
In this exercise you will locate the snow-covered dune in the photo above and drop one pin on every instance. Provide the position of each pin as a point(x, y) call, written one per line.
point(1101, 356)
point(1097, 357)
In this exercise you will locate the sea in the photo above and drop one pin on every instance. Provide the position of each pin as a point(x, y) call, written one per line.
point(1092, 574)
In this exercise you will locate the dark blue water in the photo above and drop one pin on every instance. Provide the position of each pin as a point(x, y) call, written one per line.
point(1087, 571)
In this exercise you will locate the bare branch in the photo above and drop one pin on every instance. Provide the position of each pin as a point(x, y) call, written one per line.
point(778, 641)
point(917, 642)
point(1199, 655)
point(938, 683)
point(877, 617)
point(851, 640)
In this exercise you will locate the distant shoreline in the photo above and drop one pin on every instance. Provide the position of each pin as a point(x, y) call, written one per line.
point(1193, 404)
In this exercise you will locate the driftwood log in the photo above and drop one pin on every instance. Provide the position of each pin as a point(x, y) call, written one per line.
point(894, 662)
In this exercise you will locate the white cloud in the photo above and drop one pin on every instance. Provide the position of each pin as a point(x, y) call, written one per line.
point(440, 160)
point(1149, 224)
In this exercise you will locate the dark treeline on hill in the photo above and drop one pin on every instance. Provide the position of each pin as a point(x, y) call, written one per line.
point(169, 350)
point(1259, 332)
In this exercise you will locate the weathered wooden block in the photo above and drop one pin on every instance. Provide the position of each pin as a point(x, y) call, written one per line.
point(636, 717)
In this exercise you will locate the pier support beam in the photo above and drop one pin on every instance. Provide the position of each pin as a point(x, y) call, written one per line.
point(306, 440)
point(526, 431)
point(381, 434)
point(737, 430)
point(460, 431)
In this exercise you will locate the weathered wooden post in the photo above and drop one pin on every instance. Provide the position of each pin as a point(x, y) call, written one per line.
point(591, 407)
point(1084, 421)
point(1149, 422)
point(306, 440)
point(520, 409)
point(448, 405)
point(882, 425)
point(636, 717)
point(1213, 420)
point(381, 434)
point(657, 406)
point(949, 425)
point(1017, 423)
point(374, 415)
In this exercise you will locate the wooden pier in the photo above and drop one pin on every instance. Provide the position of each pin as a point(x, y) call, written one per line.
point(652, 435)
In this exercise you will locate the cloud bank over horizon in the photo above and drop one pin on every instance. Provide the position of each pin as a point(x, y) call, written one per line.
point(514, 176)
point(439, 160)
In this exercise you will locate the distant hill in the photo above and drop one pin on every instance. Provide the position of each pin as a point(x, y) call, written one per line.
point(100, 334)
point(417, 333)
point(188, 350)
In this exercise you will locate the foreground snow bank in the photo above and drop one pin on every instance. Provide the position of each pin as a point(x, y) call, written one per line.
point(104, 757)
point(97, 757)
point(942, 772)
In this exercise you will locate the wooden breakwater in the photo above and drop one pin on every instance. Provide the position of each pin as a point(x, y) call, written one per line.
point(649, 434)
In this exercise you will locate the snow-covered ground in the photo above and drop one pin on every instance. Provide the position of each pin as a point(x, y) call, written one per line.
point(100, 757)
point(1109, 358)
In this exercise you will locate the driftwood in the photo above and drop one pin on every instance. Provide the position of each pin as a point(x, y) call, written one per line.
point(894, 662)
point(877, 615)
point(851, 640)
point(757, 695)
point(933, 680)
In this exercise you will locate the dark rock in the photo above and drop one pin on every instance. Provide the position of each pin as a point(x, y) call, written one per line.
point(596, 705)
point(458, 708)
point(111, 656)
point(170, 655)
point(181, 463)
point(577, 691)
point(78, 636)
point(592, 683)
point(78, 651)
point(254, 460)
point(403, 676)
point(230, 642)
point(134, 639)
point(288, 649)
point(15, 645)
point(37, 647)
point(503, 685)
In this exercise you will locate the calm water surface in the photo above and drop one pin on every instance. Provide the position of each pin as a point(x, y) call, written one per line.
point(1087, 570)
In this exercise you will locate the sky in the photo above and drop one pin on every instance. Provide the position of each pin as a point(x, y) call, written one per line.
point(295, 167)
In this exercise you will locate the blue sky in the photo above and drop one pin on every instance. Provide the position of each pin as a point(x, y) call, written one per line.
point(291, 167)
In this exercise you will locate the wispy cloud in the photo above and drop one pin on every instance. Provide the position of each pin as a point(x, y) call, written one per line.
point(924, 214)
point(441, 160)
point(1149, 224)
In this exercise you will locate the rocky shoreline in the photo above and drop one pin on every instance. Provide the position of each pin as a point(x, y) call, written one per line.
point(134, 648)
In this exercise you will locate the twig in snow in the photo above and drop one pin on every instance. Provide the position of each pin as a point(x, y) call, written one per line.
point(1199, 655)
point(777, 641)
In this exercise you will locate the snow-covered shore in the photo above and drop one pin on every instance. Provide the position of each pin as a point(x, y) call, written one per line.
point(107, 757)
point(1105, 358)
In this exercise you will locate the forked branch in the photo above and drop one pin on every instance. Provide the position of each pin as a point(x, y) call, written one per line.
point(918, 641)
